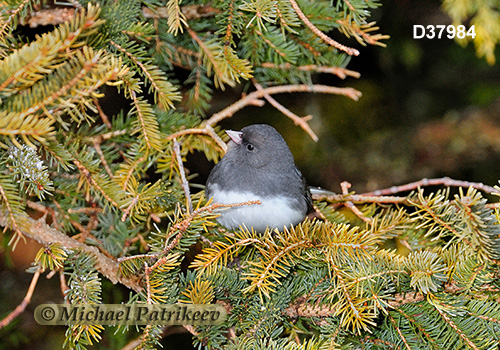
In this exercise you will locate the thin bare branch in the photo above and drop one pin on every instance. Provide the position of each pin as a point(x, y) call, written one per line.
point(444, 181)
point(300, 121)
point(349, 50)
point(104, 163)
point(21, 307)
point(182, 173)
point(103, 115)
point(345, 191)
point(342, 73)
point(250, 99)
point(206, 130)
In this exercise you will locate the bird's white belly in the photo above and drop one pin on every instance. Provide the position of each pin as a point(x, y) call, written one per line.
point(273, 212)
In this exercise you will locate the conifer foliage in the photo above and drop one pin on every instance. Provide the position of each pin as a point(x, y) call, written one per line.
point(112, 201)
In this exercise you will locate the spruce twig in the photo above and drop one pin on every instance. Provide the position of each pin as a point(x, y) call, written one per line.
point(345, 191)
point(340, 72)
point(182, 173)
point(206, 130)
point(350, 51)
point(300, 121)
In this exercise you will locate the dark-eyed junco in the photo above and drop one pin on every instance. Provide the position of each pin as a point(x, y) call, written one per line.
point(258, 165)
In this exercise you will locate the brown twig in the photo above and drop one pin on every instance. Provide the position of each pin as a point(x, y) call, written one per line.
point(97, 147)
point(342, 73)
point(62, 281)
point(85, 232)
point(300, 121)
point(189, 11)
point(138, 256)
point(182, 173)
point(444, 181)
point(45, 211)
point(39, 231)
point(84, 210)
point(206, 130)
point(349, 50)
point(103, 115)
point(398, 330)
point(92, 182)
point(359, 198)
point(345, 190)
point(247, 100)
point(133, 344)
point(106, 136)
point(127, 210)
point(148, 271)
point(21, 307)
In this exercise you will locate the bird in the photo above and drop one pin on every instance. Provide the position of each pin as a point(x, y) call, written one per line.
point(259, 165)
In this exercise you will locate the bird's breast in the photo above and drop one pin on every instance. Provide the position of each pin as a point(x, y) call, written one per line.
point(275, 211)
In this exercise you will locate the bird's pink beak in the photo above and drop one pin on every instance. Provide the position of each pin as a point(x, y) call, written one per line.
point(235, 136)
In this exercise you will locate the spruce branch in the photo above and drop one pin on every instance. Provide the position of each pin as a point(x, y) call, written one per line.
point(354, 310)
point(228, 68)
point(350, 51)
point(277, 49)
point(164, 91)
point(14, 13)
point(98, 184)
point(398, 330)
point(362, 32)
point(97, 147)
point(178, 229)
point(266, 273)
point(345, 191)
point(175, 17)
point(418, 325)
point(127, 169)
point(86, 73)
point(342, 73)
point(12, 208)
point(146, 123)
point(39, 231)
point(324, 280)
point(24, 67)
point(29, 127)
point(452, 324)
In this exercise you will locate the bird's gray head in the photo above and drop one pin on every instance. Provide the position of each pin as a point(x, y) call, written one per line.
point(259, 145)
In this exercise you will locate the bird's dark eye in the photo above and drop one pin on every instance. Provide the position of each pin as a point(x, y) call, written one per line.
point(250, 147)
